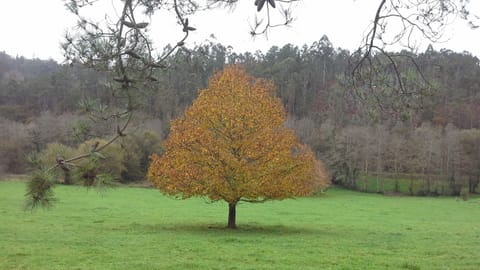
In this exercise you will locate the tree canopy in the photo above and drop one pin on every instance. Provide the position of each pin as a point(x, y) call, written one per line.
point(232, 145)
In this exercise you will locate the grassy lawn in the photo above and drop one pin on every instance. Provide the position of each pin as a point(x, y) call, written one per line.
point(135, 228)
point(386, 183)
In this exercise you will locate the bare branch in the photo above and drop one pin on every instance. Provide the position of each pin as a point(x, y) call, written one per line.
point(375, 71)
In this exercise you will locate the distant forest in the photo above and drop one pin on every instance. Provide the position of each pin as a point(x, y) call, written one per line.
point(432, 150)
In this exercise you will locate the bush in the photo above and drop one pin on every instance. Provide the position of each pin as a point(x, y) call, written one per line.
point(125, 160)
point(133, 154)
point(464, 193)
point(109, 161)
point(48, 158)
point(138, 148)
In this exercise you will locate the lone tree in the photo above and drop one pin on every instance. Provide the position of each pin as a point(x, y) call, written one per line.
point(119, 45)
point(232, 145)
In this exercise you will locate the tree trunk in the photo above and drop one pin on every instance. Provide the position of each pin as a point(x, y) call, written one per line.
point(410, 186)
point(396, 187)
point(67, 179)
point(473, 183)
point(232, 215)
point(475, 186)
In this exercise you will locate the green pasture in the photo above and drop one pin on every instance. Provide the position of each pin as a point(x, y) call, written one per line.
point(138, 228)
point(408, 184)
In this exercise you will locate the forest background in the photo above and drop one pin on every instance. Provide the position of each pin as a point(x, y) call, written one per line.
point(429, 149)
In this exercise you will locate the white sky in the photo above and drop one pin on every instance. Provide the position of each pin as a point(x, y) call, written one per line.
point(35, 28)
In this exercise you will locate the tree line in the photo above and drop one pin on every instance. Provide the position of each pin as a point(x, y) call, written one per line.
point(417, 144)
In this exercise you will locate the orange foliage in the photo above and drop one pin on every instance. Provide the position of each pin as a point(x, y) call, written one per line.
point(232, 145)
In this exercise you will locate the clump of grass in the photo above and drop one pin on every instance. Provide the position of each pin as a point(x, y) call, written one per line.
point(410, 266)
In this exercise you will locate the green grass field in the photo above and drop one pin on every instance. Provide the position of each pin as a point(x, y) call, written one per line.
point(386, 183)
point(136, 228)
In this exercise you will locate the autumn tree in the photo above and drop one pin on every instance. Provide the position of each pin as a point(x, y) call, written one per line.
point(118, 45)
point(232, 145)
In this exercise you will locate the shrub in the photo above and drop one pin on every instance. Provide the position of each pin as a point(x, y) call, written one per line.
point(138, 149)
point(109, 161)
point(48, 158)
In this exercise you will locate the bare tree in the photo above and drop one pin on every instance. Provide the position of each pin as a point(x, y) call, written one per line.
point(395, 81)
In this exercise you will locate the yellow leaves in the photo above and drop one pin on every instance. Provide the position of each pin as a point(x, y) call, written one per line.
point(232, 144)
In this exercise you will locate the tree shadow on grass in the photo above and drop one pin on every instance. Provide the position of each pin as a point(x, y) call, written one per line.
point(215, 228)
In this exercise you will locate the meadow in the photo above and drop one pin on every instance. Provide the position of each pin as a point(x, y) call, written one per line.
point(138, 228)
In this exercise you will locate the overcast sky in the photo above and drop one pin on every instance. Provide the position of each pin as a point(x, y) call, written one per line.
point(34, 28)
